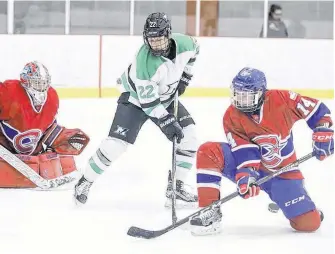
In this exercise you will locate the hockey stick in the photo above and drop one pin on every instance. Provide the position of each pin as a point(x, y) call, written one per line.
point(174, 163)
point(149, 234)
point(28, 172)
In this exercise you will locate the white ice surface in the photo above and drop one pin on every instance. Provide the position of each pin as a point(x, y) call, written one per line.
point(132, 193)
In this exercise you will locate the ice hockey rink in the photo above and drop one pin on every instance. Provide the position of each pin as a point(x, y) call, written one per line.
point(132, 192)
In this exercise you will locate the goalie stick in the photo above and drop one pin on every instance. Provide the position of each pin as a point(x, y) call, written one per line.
point(28, 172)
point(149, 234)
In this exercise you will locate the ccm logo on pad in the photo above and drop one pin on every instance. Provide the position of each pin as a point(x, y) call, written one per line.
point(294, 201)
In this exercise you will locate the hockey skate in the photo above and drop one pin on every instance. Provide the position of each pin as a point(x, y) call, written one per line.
point(81, 190)
point(207, 223)
point(184, 198)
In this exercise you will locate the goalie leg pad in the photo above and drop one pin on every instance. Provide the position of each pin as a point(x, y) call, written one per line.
point(53, 165)
point(50, 166)
point(68, 164)
point(109, 150)
point(11, 178)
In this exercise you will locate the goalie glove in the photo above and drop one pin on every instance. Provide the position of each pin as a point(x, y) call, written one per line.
point(64, 141)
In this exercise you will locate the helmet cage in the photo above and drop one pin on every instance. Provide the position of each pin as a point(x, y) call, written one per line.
point(36, 80)
point(157, 34)
point(247, 100)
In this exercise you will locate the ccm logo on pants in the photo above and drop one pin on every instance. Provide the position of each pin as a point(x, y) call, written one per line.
point(294, 201)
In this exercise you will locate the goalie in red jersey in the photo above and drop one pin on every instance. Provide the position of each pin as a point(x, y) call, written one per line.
point(258, 129)
point(28, 128)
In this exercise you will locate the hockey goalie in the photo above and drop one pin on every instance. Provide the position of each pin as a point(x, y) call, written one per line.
point(28, 129)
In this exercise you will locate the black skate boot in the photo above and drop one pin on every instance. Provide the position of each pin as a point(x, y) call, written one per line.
point(81, 190)
point(184, 198)
point(207, 223)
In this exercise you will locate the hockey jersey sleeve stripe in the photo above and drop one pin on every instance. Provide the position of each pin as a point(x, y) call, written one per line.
point(244, 157)
point(321, 111)
point(158, 111)
point(127, 87)
point(313, 112)
point(169, 100)
point(208, 171)
point(205, 178)
point(215, 185)
point(130, 81)
point(251, 163)
point(244, 147)
point(151, 104)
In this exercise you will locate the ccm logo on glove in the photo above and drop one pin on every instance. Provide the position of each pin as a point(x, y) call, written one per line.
point(323, 136)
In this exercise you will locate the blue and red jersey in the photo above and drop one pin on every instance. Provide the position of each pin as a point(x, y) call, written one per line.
point(264, 141)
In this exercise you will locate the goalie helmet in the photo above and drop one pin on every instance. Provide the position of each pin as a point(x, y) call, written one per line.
point(36, 80)
point(157, 32)
point(248, 90)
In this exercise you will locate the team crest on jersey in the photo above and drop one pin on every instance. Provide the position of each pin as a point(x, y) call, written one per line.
point(274, 149)
point(23, 142)
point(26, 142)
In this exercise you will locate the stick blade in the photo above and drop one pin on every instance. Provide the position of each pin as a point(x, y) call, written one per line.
point(141, 233)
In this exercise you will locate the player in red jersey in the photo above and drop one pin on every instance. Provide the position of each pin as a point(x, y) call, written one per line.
point(28, 128)
point(258, 129)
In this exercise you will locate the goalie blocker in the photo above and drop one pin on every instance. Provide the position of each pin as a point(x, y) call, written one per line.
point(53, 157)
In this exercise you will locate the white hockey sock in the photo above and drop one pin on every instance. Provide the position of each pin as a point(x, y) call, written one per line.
point(109, 151)
point(96, 165)
point(184, 161)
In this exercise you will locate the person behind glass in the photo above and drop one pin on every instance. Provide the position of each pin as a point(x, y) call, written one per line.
point(276, 27)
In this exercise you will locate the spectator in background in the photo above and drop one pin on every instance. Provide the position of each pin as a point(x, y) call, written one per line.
point(276, 27)
point(209, 20)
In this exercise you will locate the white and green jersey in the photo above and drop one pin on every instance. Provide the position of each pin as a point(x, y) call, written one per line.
point(152, 80)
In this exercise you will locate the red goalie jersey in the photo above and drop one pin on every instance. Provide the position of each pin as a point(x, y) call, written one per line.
point(265, 141)
point(28, 128)
point(22, 125)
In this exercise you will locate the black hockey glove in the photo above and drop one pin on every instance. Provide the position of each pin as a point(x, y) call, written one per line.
point(183, 82)
point(170, 127)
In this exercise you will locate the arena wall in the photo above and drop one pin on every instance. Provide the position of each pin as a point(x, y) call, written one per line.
point(88, 66)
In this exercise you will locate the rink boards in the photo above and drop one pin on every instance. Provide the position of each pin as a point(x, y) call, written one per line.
point(86, 66)
point(190, 92)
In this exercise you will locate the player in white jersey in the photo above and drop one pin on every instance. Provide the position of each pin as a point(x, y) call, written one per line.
point(161, 68)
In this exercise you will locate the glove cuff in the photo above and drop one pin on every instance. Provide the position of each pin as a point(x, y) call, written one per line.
point(242, 172)
point(166, 120)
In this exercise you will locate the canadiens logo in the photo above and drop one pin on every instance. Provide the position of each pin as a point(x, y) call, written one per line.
point(23, 142)
point(27, 141)
point(274, 149)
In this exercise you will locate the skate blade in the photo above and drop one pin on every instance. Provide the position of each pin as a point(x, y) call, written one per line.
point(181, 204)
point(205, 231)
